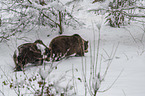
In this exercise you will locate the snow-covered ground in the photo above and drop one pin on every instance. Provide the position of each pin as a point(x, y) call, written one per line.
point(128, 60)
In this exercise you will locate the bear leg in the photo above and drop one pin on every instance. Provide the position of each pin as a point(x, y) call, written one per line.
point(80, 53)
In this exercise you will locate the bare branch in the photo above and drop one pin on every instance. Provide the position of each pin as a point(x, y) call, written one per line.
point(112, 83)
point(9, 9)
point(2, 93)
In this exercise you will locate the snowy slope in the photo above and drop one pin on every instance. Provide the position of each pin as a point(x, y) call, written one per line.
point(128, 60)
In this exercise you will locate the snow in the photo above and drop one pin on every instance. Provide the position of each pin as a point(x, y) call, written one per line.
point(128, 60)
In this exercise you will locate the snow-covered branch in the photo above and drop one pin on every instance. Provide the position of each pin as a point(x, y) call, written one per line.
point(54, 4)
point(133, 7)
point(29, 13)
point(118, 10)
point(13, 10)
point(134, 15)
point(122, 10)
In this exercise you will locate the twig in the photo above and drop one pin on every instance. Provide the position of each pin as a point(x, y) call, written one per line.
point(73, 78)
point(85, 81)
point(123, 92)
point(8, 80)
point(13, 11)
point(91, 69)
point(109, 63)
point(2, 93)
point(29, 81)
point(98, 49)
point(113, 82)
point(131, 35)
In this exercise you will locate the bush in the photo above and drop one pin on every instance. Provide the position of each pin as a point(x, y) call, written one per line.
point(25, 15)
point(116, 16)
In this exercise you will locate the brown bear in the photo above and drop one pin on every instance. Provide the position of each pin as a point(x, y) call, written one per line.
point(63, 46)
point(28, 53)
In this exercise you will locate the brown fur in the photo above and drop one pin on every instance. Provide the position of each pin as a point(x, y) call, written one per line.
point(67, 45)
point(28, 53)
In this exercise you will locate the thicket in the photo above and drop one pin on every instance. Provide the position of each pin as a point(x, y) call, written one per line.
point(121, 12)
point(25, 15)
